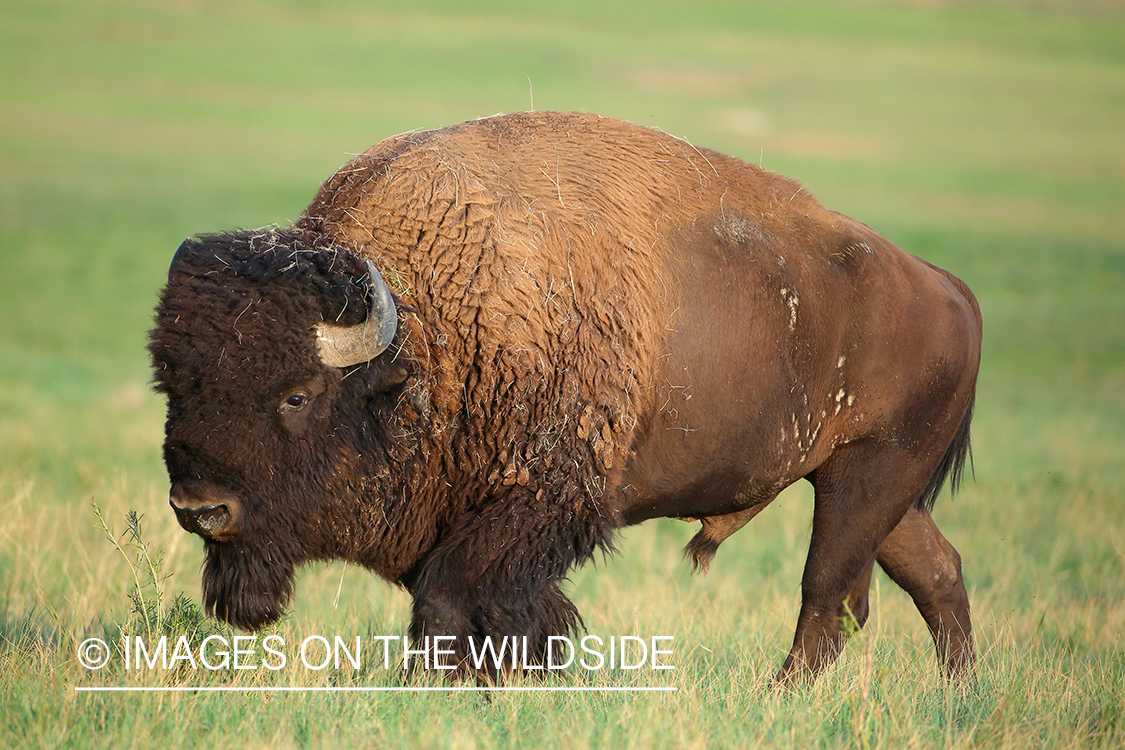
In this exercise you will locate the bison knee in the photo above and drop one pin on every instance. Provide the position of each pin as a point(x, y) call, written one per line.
point(439, 614)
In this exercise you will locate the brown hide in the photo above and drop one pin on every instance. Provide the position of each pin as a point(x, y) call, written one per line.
point(730, 330)
point(533, 248)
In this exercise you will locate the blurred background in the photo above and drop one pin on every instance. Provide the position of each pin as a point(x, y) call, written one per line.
point(986, 136)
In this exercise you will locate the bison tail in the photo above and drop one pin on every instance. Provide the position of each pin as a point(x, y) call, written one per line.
point(952, 464)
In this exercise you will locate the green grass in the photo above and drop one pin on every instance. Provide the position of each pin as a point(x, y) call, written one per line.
point(984, 136)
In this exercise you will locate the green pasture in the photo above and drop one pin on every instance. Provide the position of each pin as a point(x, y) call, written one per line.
point(987, 136)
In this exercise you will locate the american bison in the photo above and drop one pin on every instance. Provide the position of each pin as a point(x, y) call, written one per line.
point(484, 349)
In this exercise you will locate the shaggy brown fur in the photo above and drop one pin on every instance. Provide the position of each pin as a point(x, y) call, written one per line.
point(598, 324)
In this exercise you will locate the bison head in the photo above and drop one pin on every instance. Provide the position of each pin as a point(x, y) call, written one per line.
point(274, 351)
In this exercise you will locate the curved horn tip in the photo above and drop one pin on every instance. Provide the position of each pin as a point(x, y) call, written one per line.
point(186, 249)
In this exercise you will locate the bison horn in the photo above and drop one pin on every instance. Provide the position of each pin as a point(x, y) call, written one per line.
point(344, 346)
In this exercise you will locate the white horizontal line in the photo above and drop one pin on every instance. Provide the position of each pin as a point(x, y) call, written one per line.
point(329, 689)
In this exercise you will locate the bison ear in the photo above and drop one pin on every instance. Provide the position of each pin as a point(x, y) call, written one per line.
point(394, 375)
point(344, 346)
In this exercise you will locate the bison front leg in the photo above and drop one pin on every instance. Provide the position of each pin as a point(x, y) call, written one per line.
point(497, 576)
point(516, 627)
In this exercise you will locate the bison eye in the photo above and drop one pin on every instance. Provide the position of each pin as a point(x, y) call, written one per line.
point(295, 401)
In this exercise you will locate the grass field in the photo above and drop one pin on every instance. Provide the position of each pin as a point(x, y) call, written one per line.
point(985, 136)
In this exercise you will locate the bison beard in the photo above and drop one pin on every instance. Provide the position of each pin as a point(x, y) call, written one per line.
point(244, 587)
point(484, 349)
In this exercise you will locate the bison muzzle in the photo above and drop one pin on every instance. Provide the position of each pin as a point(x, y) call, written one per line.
point(484, 349)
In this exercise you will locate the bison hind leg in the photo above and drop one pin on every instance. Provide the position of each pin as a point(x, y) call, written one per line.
point(716, 529)
point(919, 559)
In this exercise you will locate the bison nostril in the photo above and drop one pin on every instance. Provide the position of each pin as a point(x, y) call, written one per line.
point(213, 520)
point(206, 510)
